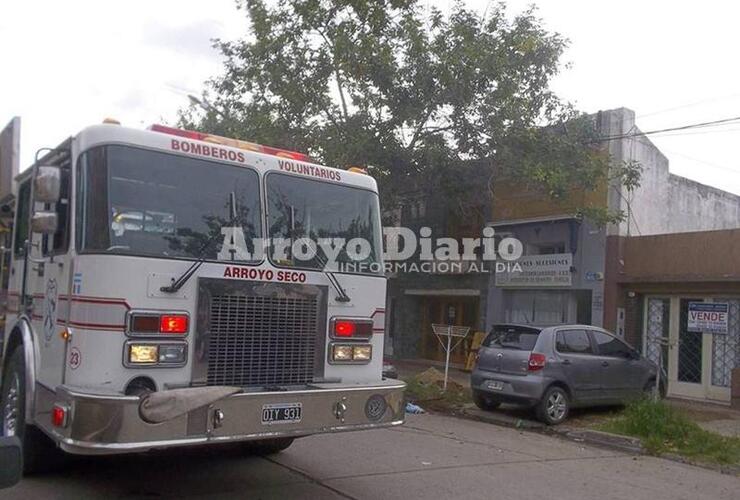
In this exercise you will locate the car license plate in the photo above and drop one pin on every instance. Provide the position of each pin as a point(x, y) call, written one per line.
point(495, 385)
point(282, 413)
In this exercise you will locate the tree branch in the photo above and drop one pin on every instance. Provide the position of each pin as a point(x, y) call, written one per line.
point(418, 130)
point(337, 76)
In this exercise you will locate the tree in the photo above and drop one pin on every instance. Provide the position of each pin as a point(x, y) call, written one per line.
point(409, 93)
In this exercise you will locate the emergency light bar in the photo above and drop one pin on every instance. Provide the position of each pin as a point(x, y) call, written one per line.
point(234, 143)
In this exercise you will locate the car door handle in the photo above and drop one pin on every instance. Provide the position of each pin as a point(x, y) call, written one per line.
point(604, 363)
point(566, 361)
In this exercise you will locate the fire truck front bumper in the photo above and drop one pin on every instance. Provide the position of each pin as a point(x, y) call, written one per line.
point(89, 423)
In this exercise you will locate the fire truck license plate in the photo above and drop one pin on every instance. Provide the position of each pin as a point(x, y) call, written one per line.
point(282, 413)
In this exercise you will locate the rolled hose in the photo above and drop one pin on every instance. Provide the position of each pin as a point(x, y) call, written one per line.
point(162, 406)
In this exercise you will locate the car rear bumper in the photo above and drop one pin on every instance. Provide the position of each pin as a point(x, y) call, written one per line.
point(520, 389)
point(111, 424)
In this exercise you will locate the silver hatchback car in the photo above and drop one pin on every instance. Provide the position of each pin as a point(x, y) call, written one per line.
point(554, 369)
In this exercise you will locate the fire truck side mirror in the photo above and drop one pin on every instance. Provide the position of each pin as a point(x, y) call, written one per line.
point(47, 184)
point(44, 222)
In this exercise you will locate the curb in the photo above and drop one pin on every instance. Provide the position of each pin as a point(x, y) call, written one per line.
point(502, 419)
point(626, 444)
point(604, 439)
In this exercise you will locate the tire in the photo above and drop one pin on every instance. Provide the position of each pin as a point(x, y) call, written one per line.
point(268, 446)
point(39, 452)
point(554, 406)
point(484, 402)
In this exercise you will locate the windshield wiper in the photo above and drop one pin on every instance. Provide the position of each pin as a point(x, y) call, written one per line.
point(184, 277)
point(341, 293)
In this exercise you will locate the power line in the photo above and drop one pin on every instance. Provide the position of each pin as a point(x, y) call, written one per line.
point(688, 105)
point(708, 163)
point(670, 129)
point(702, 132)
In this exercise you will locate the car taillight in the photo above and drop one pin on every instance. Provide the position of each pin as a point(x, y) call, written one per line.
point(173, 323)
point(536, 362)
point(349, 328)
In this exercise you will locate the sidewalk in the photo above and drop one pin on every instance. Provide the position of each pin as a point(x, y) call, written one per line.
point(715, 418)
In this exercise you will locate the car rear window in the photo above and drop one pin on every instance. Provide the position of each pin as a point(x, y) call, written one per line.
point(521, 338)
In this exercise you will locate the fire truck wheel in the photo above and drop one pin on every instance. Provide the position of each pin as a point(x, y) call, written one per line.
point(39, 452)
point(268, 446)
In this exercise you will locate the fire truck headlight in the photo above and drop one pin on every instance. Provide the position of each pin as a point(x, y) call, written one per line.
point(143, 354)
point(342, 353)
point(351, 353)
point(172, 353)
point(362, 352)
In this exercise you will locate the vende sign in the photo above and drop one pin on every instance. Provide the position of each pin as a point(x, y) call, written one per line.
point(711, 317)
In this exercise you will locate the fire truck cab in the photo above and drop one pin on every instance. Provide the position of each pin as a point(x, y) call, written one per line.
point(162, 292)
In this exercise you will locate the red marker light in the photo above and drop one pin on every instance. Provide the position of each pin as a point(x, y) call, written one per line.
point(173, 323)
point(59, 416)
point(344, 328)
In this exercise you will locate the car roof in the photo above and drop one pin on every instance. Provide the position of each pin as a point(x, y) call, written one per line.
point(556, 326)
point(539, 328)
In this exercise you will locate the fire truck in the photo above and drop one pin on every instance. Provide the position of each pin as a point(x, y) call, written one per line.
point(152, 300)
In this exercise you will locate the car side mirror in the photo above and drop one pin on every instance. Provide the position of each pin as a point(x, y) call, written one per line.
point(47, 184)
point(11, 461)
point(44, 222)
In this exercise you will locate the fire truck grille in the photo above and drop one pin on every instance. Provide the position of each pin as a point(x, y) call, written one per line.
point(262, 340)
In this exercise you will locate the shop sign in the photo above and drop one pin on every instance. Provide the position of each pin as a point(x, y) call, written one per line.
point(553, 270)
point(710, 317)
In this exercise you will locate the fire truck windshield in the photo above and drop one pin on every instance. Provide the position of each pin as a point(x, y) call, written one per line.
point(303, 208)
point(140, 202)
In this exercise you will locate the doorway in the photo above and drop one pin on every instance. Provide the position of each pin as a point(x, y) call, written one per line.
point(458, 311)
point(699, 362)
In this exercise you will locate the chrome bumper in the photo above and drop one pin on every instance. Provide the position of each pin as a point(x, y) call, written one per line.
point(110, 423)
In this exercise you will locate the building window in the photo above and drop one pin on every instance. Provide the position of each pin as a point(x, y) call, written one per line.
point(539, 307)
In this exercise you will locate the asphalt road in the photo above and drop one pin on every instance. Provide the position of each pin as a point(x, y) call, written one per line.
point(430, 457)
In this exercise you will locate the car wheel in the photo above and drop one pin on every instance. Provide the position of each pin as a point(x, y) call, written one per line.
point(484, 402)
point(268, 446)
point(554, 406)
point(39, 452)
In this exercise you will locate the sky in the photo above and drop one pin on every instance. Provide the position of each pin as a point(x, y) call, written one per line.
point(66, 65)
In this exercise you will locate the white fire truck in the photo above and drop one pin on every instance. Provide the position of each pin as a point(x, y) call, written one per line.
point(142, 313)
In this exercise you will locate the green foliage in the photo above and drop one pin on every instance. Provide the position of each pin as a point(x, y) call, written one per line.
point(664, 429)
point(408, 92)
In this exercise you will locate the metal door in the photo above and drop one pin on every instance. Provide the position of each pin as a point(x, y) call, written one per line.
point(725, 352)
point(701, 363)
